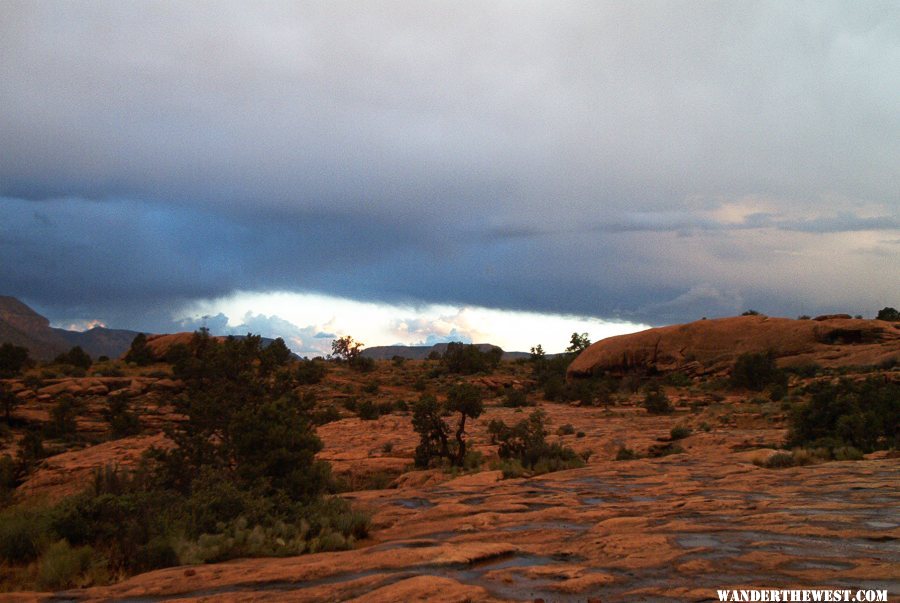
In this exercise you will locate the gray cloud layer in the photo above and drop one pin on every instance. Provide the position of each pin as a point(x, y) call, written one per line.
point(574, 157)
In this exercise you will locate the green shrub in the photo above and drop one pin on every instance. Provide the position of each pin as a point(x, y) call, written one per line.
point(371, 387)
point(63, 415)
point(466, 359)
point(139, 352)
point(756, 371)
point(678, 379)
point(434, 433)
point(309, 372)
point(659, 450)
point(75, 357)
point(804, 370)
point(121, 420)
point(567, 429)
point(864, 415)
point(889, 314)
point(511, 468)
point(679, 432)
point(525, 442)
point(8, 477)
point(625, 454)
point(657, 402)
point(326, 414)
point(8, 401)
point(13, 360)
point(363, 364)
point(515, 398)
point(31, 448)
point(847, 453)
point(62, 564)
point(368, 410)
point(778, 460)
point(23, 534)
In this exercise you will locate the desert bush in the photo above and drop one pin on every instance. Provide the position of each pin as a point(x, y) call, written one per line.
point(13, 359)
point(363, 364)
point(776, 461)
point(515, 398)
point(61, 564)
point(810, 369)
point(326, 414)
point(109, 369)
point(756, 371)
point(139, 352)
point(309, 372)
point(777, 392)
point(23, 533)
point(626, 454)
point(798, 457)
point(8, 477)
point(434, 432)
point(679, 432)
point(678, 379)
point(75, 357)
point(567, 429)
point(511, 468)
point(660, 450)
point(368, 410)
point(31, 448)
point(889, 314)
point(466, 359)
point(864, 415)
point(847, 453)
point(525, 442)
point(657, 402)
point(122, 421)
point(8, 401)
point(63, 416)
point(371, 387)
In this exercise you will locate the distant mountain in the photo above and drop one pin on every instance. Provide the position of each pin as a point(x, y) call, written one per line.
point(421, 352)
point(100, 341)
point(22, 326)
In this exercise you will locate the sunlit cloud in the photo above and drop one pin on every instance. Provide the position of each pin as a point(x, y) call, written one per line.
point(308, 322)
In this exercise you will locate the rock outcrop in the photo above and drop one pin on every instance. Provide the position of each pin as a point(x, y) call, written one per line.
point(708, 346)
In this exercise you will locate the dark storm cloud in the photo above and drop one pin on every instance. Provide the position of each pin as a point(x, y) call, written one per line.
point(643, 160)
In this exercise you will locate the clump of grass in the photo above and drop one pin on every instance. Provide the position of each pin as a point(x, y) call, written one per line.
point(567, 429)
point(798, 457)
point(679, 432)
point(626, 454)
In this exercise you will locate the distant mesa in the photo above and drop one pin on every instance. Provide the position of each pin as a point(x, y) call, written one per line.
point(708, 346)
point(422, 352)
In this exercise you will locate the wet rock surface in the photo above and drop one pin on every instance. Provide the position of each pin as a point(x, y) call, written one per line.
point(667, 529)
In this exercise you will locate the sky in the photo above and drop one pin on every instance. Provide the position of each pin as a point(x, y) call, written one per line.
point(418, 171)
